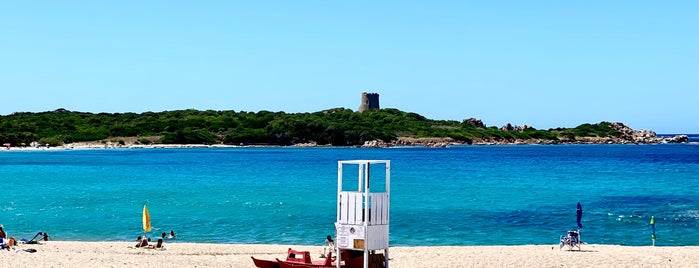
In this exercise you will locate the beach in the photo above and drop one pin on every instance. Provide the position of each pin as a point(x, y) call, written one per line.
point(123, 254)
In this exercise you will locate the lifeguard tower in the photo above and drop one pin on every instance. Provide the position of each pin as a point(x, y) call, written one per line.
point(363, 215)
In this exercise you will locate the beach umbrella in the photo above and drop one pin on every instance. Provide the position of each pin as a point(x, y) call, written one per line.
point(578, 212)
point(146, 220)
point(652, 227)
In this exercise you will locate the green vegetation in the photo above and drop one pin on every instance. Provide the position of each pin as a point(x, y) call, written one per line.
point(339, 127)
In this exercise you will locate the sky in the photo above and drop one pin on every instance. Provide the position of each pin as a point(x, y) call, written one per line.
point(544, 64)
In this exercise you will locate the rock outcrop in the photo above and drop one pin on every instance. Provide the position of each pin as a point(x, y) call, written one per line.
point(510, 127)
point(628, 135)
point(408, 141)
point(507, 127)
point(676, 139)
point(477, 123)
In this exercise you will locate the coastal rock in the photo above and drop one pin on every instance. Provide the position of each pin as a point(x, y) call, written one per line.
point(375, 144)
point(424, 142)
point(510, 127)
point(477, 123)
point(306, 144)
point(523, 128)
point(676, 139)
point(628, 135)
point(644, 136)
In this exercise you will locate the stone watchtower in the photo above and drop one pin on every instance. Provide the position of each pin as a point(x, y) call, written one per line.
point(370, 101)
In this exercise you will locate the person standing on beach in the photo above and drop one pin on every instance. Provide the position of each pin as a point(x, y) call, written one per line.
point(329, 241)
point(3, 235)
point(330, 246)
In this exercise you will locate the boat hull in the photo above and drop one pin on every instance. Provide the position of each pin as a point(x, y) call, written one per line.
point(265, 263)
point(284, 264)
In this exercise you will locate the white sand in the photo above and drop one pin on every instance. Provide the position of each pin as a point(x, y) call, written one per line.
point(120, 254)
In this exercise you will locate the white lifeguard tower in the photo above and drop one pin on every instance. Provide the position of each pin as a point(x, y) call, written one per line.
point(363, 215)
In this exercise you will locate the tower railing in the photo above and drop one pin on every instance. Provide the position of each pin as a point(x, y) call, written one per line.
point(352, 208)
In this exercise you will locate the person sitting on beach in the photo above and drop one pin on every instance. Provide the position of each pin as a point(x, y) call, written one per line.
point(158, 245)
point(7, 244)
point(3, 235)
point(45, 237)
point(142, 242)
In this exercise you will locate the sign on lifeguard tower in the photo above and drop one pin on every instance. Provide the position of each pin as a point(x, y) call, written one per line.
point(363, 212)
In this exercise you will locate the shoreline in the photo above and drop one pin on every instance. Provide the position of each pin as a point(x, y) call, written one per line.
point(122, 254)
point(428, 143)
point(626, 136)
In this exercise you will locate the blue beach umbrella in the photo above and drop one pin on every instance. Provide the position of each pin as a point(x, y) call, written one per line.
point(578, 212)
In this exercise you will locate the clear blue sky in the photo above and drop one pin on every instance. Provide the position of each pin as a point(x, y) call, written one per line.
point(541, 63)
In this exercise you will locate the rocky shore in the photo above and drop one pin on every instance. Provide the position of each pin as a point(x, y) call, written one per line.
point(628, 136)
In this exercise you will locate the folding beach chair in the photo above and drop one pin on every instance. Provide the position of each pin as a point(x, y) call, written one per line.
point(39, 236)
point(572, 240)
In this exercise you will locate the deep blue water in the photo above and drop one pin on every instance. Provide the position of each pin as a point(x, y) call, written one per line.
point(470, 195)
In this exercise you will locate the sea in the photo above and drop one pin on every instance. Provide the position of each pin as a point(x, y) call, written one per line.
point(458, 195)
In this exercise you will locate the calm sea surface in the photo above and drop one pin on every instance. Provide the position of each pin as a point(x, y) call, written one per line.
point(471, 195)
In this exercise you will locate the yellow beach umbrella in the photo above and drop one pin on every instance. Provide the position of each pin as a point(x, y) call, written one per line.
point(146, 220)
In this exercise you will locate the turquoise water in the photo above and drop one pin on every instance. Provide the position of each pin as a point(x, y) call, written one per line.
point(471, 195)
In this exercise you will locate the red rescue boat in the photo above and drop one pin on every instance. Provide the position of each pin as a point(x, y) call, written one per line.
point(302, 259)
point(295, 259)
